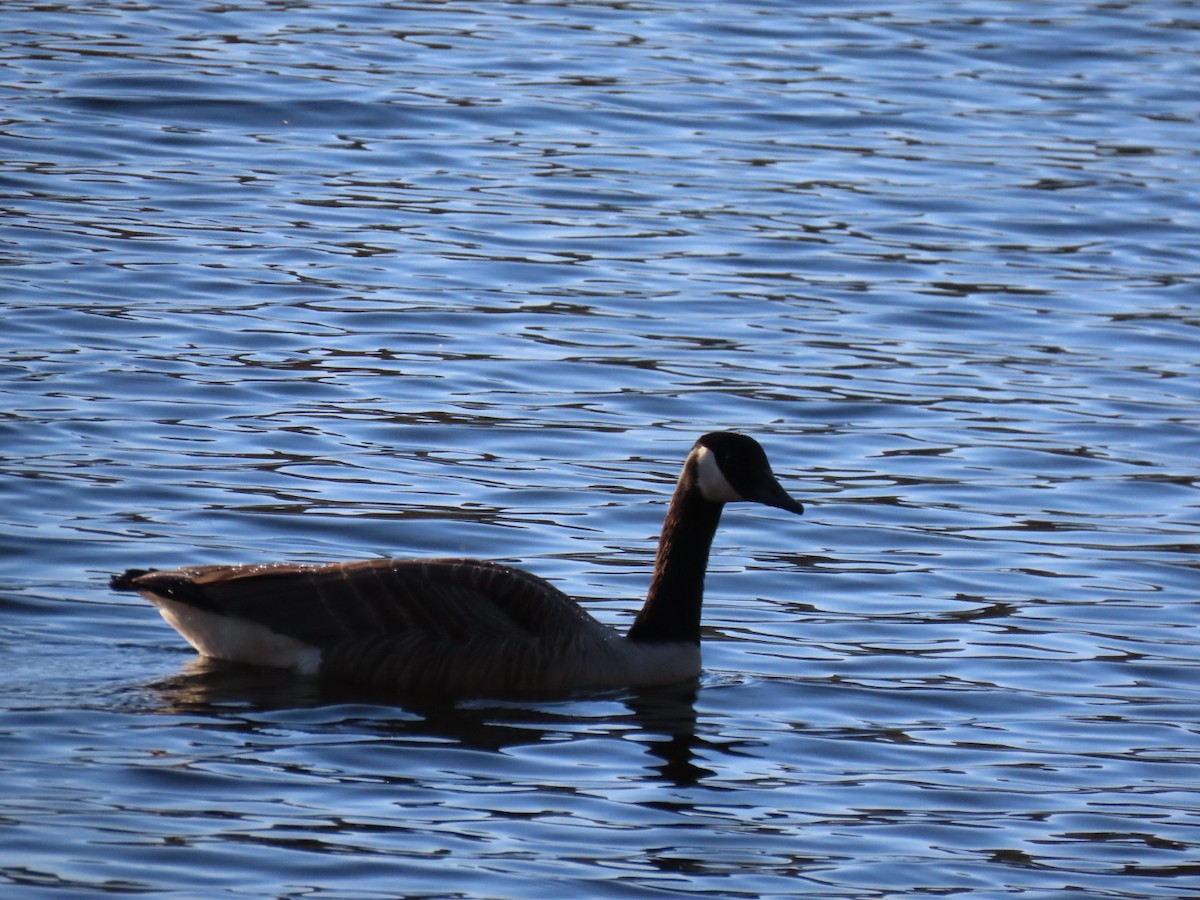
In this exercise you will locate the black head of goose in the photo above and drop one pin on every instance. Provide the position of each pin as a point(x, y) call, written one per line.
point(467, 627)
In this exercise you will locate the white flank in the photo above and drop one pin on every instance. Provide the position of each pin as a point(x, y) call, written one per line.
point(236, 640)
point(713, 486)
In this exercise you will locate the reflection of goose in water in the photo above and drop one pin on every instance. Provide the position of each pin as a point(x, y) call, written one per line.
point(467, 627)
point(660, 721)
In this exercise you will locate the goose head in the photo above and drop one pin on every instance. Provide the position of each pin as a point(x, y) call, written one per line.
point(732, 467)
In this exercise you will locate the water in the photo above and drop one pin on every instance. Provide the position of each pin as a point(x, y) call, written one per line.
point(327, 281)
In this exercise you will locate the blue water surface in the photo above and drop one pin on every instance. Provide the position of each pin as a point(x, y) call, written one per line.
point(324, 281)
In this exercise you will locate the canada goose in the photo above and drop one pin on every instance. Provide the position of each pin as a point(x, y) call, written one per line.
point(464, 626)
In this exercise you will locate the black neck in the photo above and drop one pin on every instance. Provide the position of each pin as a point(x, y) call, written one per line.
point(672, 608)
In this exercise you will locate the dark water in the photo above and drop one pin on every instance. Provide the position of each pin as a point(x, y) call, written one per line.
point(322, 281)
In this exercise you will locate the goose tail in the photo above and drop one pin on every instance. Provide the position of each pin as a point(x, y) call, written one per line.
point(126, 580)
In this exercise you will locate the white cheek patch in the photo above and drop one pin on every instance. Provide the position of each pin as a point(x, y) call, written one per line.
point(713, 485)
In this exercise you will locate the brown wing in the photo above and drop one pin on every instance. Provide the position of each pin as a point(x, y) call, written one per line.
point(439, 600)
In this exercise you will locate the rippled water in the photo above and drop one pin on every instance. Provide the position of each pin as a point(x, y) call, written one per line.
point(325, 281)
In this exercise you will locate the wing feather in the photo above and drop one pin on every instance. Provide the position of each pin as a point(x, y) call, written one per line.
point(452, 600)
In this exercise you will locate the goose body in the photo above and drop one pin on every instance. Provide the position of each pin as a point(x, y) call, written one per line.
point(463, 626)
